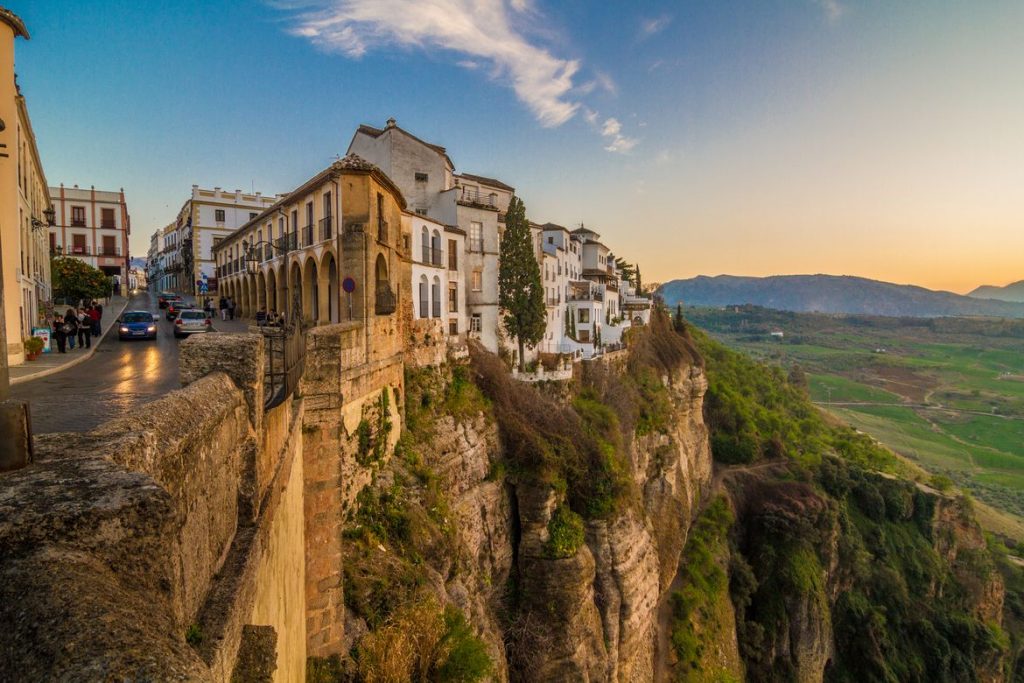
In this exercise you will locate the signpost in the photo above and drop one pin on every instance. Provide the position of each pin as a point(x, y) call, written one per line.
point(349, 285)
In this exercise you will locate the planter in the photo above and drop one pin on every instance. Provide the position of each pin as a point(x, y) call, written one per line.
point(31, 356)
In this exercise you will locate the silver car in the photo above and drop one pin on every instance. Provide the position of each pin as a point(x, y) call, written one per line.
point(191, 321)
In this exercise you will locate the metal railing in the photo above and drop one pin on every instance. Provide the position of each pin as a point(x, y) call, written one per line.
point(479, 198)
point(287, 242)
point(432, 256)
point(77, 222)
point(307, 235)
point(326, 228)
point(286, 357)
point(424, 308)
point(435, 308)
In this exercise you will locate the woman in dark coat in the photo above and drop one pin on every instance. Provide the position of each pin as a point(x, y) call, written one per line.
point(69, 328)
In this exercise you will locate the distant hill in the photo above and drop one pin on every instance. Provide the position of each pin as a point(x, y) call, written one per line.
point(832, 294)
point(1011, 292)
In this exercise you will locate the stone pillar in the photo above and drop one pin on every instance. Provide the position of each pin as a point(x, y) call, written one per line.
point(241, 356)
point(15, 435)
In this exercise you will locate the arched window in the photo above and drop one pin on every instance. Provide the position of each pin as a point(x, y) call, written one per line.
point(435, 248)
point(435, 297)
point(424, 297)
point(425, 244)
point(385, 296)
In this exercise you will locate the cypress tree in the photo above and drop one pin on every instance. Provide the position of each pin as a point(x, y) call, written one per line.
point(520, 292)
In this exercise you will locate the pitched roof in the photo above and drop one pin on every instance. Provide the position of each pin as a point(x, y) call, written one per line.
point(377, 132)
point(488, 181)
point(554, 226)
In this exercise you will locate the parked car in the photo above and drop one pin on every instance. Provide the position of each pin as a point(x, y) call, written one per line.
point(137, 325)
point(164, 297)
point(176, 305)
point(190, 321)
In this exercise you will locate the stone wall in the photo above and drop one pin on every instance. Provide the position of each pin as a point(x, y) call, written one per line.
point(183, 518)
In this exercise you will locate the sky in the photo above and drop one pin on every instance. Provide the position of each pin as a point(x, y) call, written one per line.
point(852, 137)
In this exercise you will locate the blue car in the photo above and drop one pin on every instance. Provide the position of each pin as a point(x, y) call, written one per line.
point(136, 325)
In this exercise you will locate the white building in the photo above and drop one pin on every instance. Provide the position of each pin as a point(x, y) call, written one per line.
point(474, 204)
point(438, 275)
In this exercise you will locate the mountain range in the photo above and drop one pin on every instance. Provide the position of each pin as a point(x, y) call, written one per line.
point(842, 294)
point(1011, 292)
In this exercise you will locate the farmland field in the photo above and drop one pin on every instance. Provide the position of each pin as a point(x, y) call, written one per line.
point(946, 394)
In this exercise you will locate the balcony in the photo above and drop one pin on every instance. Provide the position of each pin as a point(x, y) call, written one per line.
point(326, 228)
point(77, 222)
point(431, 256)
point(307, 235)
point(108, 251)
point(477, 198)
point(435, 309)
point(286, 243)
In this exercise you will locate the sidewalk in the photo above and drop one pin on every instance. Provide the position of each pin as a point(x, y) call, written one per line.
point(49, 363)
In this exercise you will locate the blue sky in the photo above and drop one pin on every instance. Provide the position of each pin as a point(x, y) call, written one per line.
point(771, 136)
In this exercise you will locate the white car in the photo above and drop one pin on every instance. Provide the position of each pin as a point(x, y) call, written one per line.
point(191, 321)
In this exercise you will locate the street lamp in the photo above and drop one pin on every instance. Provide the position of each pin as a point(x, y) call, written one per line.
point(51, 219)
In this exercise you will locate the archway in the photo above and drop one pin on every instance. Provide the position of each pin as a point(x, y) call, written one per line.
point(310, 291)
point(385, 297)
point(330, 297)
point(295, 296)
point(261, 291)
point(271, 284)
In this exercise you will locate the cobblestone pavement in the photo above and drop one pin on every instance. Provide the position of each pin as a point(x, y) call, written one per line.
point(121, 376)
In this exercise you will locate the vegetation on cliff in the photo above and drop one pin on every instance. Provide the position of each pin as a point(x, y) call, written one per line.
point(837, 566)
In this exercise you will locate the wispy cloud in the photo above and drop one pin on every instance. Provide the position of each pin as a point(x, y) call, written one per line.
point(833, 9)
point(652, 25)
point(481, 32)
point(611, 130)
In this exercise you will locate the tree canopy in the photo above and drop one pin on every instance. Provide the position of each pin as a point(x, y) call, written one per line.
point(520, 291)
point(74, 279)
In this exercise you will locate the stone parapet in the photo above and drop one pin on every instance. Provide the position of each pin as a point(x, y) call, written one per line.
point(241, 356)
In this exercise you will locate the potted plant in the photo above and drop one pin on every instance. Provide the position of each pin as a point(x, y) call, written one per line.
point(33, 347)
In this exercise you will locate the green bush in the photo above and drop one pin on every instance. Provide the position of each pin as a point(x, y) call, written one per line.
point(565, 533)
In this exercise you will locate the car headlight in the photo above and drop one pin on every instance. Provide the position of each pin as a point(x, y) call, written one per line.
point(151, 328)
point(124, 329)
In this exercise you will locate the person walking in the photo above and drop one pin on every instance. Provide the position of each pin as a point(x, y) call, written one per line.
point(231, 308)
point(95, 315)
point(261, 316)
point(71, 327)
point(223, 308)
point(84, 329)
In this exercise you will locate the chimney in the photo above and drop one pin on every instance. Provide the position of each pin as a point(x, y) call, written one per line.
point(391, 123)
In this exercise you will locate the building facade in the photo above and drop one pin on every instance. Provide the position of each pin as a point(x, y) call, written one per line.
point(93, 226)
point(438, 276)
point(24, 205)
point(293, 258)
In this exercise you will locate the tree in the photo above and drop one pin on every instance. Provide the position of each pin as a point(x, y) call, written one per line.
point(636, 279)
point(75, 280)
point(678, 320)
point(520, 292)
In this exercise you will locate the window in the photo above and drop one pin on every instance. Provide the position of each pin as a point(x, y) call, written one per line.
point(252, 214)
point(478, 280)
point(218, 215)
point(453, 326)
point(53, 242)
point(216, 241)
point(476, 236)
point(78, 244)
point(107, 218)
point(424, 297)
point(453, 297)
point(421, 177)
point(583, 315)
point(474, 323)
point(453, 255)
point(435, 298)
point(109, 245)
point(78, 216)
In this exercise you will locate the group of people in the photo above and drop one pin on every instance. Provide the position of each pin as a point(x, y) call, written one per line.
point(79, 324)
point(269, 319)
point(226, 305)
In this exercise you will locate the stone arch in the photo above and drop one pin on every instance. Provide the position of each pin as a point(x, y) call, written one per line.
point(330, 294)
point(383, 293)
point(310, 291)
point(294, 290)
point(271, 295)
point(261, 290)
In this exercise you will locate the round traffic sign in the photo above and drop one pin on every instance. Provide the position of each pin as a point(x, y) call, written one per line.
point(349, 285)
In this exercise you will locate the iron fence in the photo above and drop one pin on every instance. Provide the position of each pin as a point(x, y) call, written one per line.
point(286, 358)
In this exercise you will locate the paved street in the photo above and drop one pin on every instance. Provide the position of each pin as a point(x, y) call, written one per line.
point(118, 378)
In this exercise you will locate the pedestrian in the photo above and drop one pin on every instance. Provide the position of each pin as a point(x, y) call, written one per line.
point(223, 308)
point(231, 308)
point(60, 334)
point(95, 315)
point(71, 327)
point(84, 329)
point(261, 316)
point(208, 307)
point(99, 307)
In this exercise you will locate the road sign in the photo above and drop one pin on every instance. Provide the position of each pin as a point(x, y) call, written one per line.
point(349, 285)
